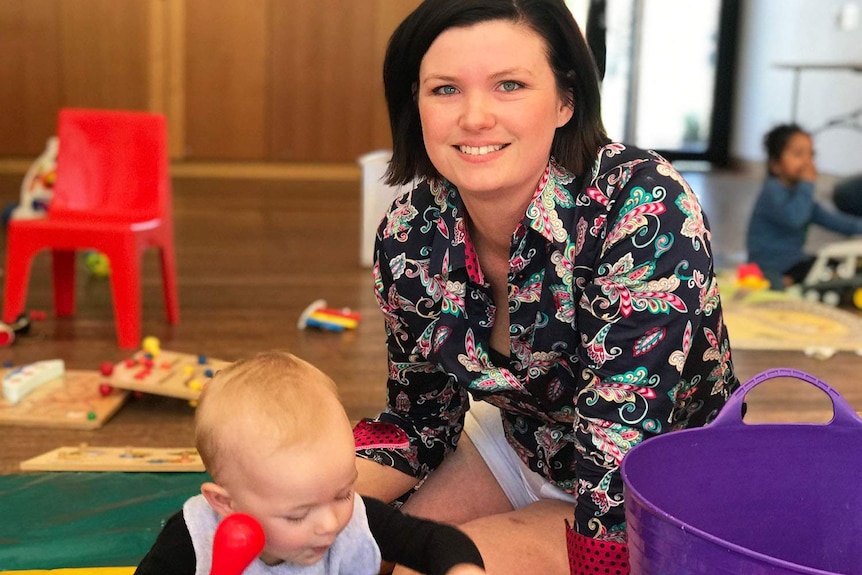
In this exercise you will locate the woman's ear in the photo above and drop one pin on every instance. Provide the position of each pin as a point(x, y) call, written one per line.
point(218, 498)
point(565, 113)
point(566, 110)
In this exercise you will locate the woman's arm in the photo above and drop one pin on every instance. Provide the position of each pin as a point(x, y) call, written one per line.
point(381, 481)
point(651, 334)
point(425, 407)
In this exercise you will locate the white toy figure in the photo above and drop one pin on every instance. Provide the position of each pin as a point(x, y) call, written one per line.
point(37, 187)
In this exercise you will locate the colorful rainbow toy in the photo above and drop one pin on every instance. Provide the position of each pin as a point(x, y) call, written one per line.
point(318, 315)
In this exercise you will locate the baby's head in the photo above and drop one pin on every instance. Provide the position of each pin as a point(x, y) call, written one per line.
point(279, 446)
point(789, 151)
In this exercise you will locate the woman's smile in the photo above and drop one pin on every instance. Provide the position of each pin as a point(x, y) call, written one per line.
point(490, 106)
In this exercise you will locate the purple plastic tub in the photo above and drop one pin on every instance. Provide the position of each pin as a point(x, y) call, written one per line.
point(738, 499)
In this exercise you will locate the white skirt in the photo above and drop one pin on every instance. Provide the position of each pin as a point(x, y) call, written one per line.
point(523, 486)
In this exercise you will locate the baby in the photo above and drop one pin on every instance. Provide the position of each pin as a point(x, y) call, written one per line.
point(278, 445)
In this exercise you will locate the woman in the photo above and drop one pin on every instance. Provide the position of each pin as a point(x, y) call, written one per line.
point(562, 282)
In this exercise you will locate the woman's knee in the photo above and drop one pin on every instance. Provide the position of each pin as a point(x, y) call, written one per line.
point(528, 540)
point(460, 490)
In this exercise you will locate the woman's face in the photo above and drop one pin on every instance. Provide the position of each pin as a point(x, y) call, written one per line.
point(489, 106)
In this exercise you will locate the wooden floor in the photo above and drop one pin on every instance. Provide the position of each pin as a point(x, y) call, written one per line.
point(253, 253)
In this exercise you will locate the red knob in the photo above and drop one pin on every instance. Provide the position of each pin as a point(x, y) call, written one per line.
point(239, 539)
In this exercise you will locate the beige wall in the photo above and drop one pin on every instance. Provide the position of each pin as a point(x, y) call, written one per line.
point(239, 80)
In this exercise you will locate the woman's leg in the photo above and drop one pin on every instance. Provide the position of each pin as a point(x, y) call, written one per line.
point(463, 491)
point(529, 540)
point(460, 490)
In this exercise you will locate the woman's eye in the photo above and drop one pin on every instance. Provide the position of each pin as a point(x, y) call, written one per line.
point(445, 90)
point(510, 86)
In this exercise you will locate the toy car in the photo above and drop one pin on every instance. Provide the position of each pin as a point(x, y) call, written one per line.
point(835, 278)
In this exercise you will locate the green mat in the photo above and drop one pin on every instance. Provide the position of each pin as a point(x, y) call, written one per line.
point(56, 520)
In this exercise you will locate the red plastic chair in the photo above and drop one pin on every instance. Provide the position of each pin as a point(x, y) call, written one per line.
point(112, 194)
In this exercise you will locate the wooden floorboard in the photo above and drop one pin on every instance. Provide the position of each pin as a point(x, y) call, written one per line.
point(252, 253)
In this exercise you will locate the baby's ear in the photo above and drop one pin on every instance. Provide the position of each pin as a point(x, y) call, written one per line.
point(218, 498)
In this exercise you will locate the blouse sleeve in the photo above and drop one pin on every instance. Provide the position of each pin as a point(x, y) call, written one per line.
point(637, 318)
point(425, 407)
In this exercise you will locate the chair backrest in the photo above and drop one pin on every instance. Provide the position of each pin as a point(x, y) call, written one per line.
point(112, 166)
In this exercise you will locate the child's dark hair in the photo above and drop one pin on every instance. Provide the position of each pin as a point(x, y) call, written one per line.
point(776, 140)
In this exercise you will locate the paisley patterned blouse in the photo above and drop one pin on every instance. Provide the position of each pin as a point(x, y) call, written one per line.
point(616, 327)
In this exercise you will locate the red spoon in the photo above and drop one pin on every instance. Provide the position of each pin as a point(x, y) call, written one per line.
point(238, 540)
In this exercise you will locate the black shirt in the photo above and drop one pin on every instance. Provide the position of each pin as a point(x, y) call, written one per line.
point(422, 545)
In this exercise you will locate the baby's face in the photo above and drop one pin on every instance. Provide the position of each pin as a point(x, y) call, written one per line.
point(796, 162)
point(302, 496)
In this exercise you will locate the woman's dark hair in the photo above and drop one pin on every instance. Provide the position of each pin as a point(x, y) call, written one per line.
point(575, 144)
point(776, 140)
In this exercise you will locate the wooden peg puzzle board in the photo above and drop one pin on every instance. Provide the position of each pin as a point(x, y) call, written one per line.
point(72, 401)
point(87, 458)
point(171, 374)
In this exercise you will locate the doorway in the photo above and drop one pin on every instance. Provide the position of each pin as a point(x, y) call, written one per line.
point(668, 73)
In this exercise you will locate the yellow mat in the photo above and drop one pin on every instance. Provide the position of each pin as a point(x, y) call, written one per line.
point(80, 571)
point(767, 320)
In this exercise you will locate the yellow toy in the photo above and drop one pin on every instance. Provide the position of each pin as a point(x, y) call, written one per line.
point(750, 277)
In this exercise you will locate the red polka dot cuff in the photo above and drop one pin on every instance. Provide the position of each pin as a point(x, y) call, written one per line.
point(588, 556)
point(375, 435)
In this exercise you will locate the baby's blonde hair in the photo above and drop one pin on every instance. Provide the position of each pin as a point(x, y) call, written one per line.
point(273, 399)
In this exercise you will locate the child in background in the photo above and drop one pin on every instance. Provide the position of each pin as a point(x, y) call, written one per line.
point(786, 208)
point(279, 446)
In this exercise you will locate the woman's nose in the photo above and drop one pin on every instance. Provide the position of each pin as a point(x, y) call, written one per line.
point(477, 113)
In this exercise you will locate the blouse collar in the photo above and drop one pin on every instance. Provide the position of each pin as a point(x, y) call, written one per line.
point(542, 216)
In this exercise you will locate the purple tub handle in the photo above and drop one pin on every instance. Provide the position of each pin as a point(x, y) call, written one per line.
point(843, 413)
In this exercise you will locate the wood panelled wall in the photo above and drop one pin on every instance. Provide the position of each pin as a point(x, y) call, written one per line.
point(239, 80)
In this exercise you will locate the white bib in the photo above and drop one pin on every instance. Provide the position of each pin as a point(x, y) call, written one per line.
point(354, 552)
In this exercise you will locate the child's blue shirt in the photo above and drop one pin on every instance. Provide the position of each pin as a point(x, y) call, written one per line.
point(779, 225)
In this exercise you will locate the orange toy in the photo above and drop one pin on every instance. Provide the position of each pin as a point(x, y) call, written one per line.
point(750, 276)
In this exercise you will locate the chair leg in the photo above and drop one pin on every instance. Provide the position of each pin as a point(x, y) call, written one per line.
point(63, 278)
point(169, 283)
point(17, 279)
point(126, 290)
